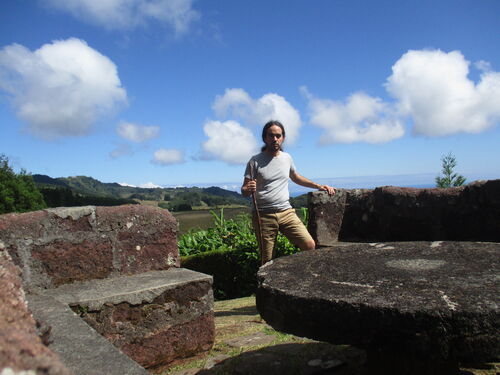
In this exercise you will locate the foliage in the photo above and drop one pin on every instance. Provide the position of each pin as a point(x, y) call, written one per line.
point(234, 271)
point(449, 178)
point(18, 192)
point(65, 197)
point(179, 198)
point(299, 201)
point(229, 252)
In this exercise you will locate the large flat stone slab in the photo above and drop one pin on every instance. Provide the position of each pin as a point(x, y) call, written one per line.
point(432, 300)
point(81, 349)
point(133, 289)
point(155, 317)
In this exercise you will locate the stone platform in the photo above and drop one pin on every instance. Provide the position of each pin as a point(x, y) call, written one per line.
point(416, 307)
point(153, 318)
point(115, 267)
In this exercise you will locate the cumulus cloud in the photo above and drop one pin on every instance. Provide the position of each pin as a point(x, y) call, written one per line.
point(238, 104)
point(62, 88)
point(432, 87)
point(228, 141)
point(137, 133)
point(128, 14)
point(361, 118)
point(165, 156)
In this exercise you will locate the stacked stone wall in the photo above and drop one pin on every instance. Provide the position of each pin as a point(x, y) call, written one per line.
point(389, 213)
point(59, 246)
point(67, 249)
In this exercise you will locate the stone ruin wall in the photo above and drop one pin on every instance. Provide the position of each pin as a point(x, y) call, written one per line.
point(59, 246)
point(389, 213)
point(54, 253)
point(45, 249)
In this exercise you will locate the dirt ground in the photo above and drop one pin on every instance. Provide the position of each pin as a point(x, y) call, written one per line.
point(246, 345)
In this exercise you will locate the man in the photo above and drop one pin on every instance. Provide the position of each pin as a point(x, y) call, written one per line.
point(267, 175)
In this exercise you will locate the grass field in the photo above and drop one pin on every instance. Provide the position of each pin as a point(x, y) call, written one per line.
point(202, 219)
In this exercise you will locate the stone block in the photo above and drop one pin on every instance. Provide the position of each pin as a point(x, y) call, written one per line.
point(325, 216)
point(390, 213)
point(64, 245)
point(21, 348)
point(154, 317)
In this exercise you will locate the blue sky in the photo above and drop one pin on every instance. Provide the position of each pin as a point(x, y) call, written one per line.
point(175, 92)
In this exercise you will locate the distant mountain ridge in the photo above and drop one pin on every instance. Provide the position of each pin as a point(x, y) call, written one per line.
point(90, 186)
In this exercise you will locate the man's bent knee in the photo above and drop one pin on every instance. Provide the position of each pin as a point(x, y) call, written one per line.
point(308, 245)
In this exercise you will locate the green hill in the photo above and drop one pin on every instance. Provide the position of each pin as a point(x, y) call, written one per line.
point(77, 189)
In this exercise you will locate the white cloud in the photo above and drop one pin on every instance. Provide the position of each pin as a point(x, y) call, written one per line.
point(128, 14)
point(237, 103)
point(433, 88)
point(62, 88)
point(150, 185)
point(168, 157)
point(228, 141)
point(125, 184)
point(137, 133)
point(361, 118)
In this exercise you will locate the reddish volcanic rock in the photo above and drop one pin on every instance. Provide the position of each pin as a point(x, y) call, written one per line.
point(390, 213)
point(64, 245)
point(20, 347)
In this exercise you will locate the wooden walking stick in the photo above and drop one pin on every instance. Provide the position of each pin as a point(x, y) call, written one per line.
point(260, 240)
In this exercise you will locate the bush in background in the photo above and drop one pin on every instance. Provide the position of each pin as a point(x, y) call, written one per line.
point(18, 192)
point(228, 252)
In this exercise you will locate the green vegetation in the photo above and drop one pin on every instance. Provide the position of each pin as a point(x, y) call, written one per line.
point(229, 252)
point(18, 192)
point(65, 197)
point(449, 178)
point(87, 190)
point(299, 201)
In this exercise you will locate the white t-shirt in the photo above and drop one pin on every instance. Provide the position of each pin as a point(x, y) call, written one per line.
point(272, 174)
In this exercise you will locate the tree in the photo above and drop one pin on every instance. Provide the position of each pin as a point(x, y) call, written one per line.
point(449, 178)
point(18, 192)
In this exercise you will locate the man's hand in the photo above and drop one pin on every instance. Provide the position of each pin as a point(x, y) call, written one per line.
point(327, 188)
point(249, 187)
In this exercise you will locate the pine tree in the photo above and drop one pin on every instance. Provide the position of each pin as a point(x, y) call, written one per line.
point(449, 178)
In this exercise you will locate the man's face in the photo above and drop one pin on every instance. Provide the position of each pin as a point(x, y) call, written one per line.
point(274, 138)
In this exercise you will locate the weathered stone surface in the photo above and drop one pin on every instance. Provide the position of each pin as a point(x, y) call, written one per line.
point(118, 266)
point(64, 245)
point(146, 237)
point(154, 317)
point(86, 260)
point(21, 349)
point(436, 301)
point(325, 216)
point(172, 342)
point(82, 349)
point(389, 213)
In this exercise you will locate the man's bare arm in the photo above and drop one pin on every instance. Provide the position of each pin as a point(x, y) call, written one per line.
point(302, 181)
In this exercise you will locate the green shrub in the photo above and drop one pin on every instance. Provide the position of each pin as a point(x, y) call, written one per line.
point(18, 192)
point(229, 252)
point(234, 272)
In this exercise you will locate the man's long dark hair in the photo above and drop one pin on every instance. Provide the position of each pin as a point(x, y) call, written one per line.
point(266, 128)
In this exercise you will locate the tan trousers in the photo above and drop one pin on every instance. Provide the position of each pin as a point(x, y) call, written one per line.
point(286, 222)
